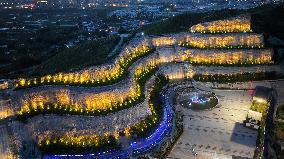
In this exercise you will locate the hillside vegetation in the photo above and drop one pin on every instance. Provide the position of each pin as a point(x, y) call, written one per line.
point(88, 53)
point(268, 19)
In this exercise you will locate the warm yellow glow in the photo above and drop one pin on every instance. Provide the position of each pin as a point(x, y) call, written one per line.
point(237, 24)
point(259, 100)
point(63, 97)
point(250, 56)
point(95, 74)
point(127, 131)
point(4, 85)
point(6, 112)
point(163, 41)
point(224, 40)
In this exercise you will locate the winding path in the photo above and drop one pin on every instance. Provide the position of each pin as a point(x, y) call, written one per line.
point(84, 97)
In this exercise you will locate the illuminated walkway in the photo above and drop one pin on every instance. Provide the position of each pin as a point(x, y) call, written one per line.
point(170, 59)
point(142, 146)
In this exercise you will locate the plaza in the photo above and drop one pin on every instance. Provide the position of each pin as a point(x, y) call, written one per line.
point(219, 132)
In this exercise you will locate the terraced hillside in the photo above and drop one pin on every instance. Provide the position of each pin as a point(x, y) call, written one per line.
point(116, 109)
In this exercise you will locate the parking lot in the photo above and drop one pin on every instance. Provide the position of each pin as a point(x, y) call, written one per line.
point(217, 133)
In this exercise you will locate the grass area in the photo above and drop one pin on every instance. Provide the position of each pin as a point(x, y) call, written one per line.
point(88, 53)
point(268, 19)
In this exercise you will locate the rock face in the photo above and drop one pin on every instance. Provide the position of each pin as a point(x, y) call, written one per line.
point(274, 41)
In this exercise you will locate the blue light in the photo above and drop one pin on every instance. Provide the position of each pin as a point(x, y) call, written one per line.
point(136, 147)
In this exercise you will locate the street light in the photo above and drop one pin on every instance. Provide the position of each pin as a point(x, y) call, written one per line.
point(260, 100)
